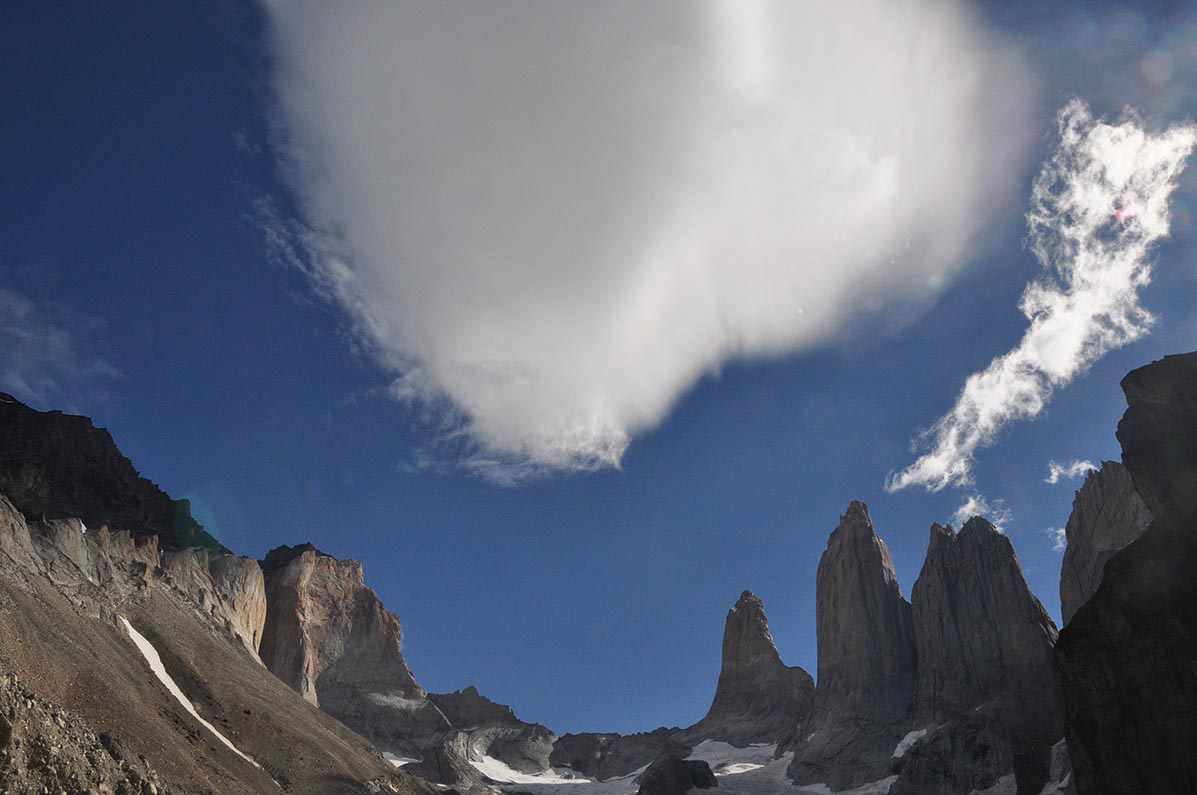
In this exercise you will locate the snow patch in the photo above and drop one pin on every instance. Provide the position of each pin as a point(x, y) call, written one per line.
point(396, 760)
point(908, 742)
point(151, 656)
point(500, 772)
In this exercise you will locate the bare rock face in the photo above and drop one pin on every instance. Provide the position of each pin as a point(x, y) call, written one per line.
point(989, 701)
point(864, 699)
point(329, 637)
point(758, 698)
point(56, 466)
point(1128, 658)
point(229, 587)
point(1107, 514)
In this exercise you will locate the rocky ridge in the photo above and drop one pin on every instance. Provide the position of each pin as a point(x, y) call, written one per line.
point(57, 466)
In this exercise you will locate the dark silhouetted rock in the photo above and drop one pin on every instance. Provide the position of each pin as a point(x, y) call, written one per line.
point(758, 698)
point(867, 664)
point(669, 775)
point(1107, 514)
point(988, 697)
point(55, 466)
point(1128, 658)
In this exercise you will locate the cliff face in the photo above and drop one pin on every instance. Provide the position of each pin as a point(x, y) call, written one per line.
point(230, 588)
point(329, 637)
point(1127, 658)
point(867, 661)
point(758, 698)
point(55, 465)
point(65, 594)
point(988, 700)
point(1107, 514)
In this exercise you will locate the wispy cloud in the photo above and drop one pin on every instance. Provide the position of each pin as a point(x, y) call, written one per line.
point(1058, 538)
point(43, 356)
point(548, 221)
point(1097, 207)
point(1071, 471)
point(977, 505)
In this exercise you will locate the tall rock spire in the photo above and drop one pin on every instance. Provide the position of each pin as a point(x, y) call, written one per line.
point(867, 662)
point(758, 697)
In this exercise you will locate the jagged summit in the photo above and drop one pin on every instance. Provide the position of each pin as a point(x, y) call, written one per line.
point(282, 555)
point(55, 465)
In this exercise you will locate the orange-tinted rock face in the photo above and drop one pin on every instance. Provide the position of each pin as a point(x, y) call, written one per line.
point(329, 637)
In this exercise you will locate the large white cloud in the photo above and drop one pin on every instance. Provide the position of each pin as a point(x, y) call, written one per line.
point(1098, 206)
point(551, 219)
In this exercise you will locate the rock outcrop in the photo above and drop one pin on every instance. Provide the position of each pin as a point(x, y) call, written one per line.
point(495, 731)
point(64, 597)
point(1107, 514)
point(988, 701)
point(331, 639)
point(604, 756)
point(669, 775)
point(230, 588)
point(758, 698)
point(55, 465)
point(1128, 657)
point(864, 700)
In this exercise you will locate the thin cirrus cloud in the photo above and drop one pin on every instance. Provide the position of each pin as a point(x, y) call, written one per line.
point(978, 505)
point(43, 355)
point(547, 221)
point(1097, 206)
point(1070, 471)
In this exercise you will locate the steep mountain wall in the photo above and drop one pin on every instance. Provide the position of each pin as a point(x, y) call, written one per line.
point(1107, 514)
point(1128, 657)
point(330, 638)
point(864, 700)
point(988, 699)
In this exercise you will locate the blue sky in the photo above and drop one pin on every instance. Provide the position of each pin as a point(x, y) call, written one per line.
point(141, 142)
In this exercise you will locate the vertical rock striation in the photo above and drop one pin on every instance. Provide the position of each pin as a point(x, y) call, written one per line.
point(867, 662)
point(758, 698)
point(1128, 658)
point(988, 699)
point(329, 637)
point(1107, 514)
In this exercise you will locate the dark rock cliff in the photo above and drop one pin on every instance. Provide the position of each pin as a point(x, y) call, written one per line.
point(1128, 658)
point(988, 700)
point(1107, 514)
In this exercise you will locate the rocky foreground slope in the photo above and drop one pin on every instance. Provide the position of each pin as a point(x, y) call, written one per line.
point(1128, 657)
